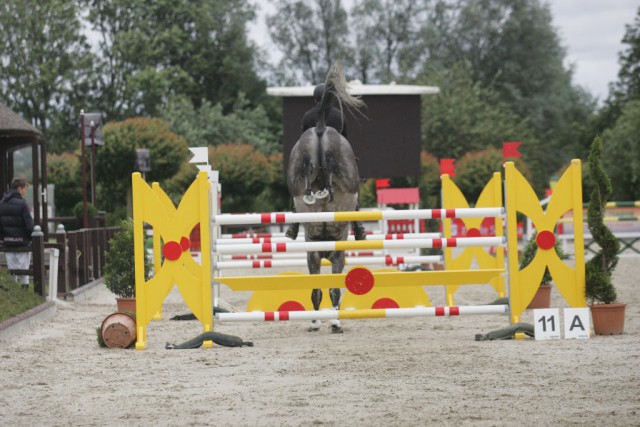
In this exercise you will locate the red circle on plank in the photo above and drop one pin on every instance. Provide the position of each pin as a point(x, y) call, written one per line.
point(546, 240)
point(291, 306)
point(185, 243)
point(385, 303)
point(473, 232)
point(172, 251)
point(359, 281)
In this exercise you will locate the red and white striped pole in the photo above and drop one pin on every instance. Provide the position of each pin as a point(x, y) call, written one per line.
point(302, 262)
point(362, 313)
point(305, 217)
point(359, 245)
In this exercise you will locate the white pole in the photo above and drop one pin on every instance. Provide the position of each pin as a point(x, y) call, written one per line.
point(363, 244)
point(258, 316)
point(304, 217)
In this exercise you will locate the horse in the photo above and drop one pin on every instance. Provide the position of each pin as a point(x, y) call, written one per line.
point(322, 176)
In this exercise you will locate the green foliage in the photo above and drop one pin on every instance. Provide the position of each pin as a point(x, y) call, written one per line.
point(209, 125)
point(529, 254)
point(46, 62)
point(275, 197)
point(150, 51)
point(385, 31)
point(627, 88)
point(13, 299)
point(312, 35)
point(598, 270)
point(244, 174)
point(466, 117)
point(119, 268)
point(476, 168)
point(78, 210)
point(621, 155)
point(65, 171)
point(116, 159)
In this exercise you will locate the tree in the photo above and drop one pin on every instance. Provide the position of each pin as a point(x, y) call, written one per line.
point(628, 85)
point(512, 48)
point(115, 161)
point(311, 35)
point(44, 63)
point(466, 117)
point(622, 153)
point(383, 29)
point(64, 171)
point(152, 50)
point(208, 125)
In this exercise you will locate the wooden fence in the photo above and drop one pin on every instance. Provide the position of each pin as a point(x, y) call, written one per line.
point(81, 257)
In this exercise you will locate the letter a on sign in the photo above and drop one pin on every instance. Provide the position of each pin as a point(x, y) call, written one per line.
point(576, 323)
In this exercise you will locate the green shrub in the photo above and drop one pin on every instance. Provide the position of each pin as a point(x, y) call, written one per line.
point(598, 270)
point(119, 268)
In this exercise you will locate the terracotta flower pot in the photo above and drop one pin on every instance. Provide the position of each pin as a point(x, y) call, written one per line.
point(542, 298)
point(608, 319)
point(126, 304)
point(118, 330)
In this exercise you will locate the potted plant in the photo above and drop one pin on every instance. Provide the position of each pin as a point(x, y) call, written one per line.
point(542, 298)
point(607, 315)
point(119, 268)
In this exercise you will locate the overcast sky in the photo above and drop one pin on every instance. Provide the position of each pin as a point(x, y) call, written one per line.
point(590, 30)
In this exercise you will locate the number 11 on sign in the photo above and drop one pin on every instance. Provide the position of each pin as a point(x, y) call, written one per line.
point(547, 323)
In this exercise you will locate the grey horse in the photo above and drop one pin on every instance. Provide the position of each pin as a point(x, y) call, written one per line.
point(323, 176)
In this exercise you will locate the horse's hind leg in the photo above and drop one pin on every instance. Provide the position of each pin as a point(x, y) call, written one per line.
point(337, 265)
point(314, 263)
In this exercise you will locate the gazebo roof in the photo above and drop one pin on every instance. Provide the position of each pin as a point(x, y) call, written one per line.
point(12, 125)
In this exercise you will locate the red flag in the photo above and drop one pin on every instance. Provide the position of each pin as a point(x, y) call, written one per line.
point(510, 149)
point(382, 183)
point(447, 167)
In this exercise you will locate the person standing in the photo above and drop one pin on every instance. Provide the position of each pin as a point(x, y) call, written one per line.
point(16, 226)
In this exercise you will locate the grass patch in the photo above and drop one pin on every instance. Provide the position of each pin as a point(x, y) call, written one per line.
point(13, 299)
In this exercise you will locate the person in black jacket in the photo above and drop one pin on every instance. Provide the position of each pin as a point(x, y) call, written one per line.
point(16, 226)
point(335, 119)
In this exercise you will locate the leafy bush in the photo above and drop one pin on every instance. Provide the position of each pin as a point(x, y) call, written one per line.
point(119, 268)
point(244, 174)
point(116, 159)
point(476, 168)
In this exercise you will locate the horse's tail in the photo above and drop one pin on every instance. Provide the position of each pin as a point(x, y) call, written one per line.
point(335, 89)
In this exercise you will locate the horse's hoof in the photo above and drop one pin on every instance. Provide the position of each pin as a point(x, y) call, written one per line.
point(309, 200)
point(292, 232)
point(315, 326)
point(336, 328)
point(322, 194)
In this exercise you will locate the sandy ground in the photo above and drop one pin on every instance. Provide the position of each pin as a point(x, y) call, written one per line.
point(417, 371)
